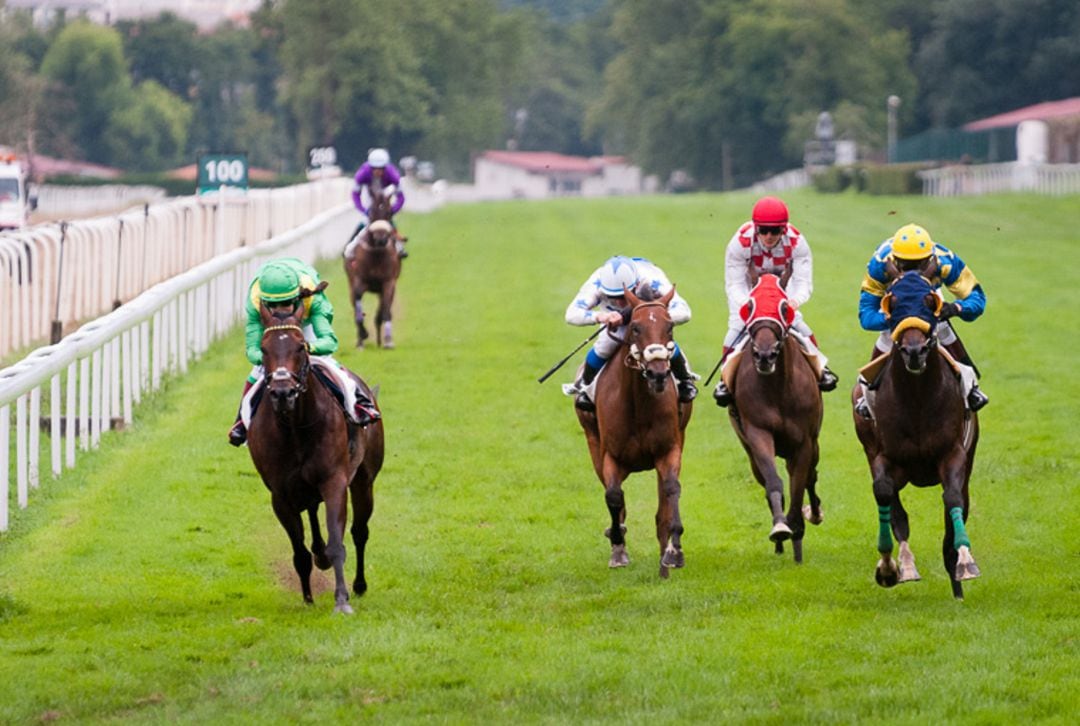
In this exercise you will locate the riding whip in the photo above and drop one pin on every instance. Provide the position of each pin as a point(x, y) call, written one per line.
point(560, 364)
point(717, 366)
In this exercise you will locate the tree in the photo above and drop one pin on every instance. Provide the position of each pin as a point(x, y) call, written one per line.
point(149, 131)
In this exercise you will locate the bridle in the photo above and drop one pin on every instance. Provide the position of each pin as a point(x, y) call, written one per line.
point(638, 358)
point(299, 379)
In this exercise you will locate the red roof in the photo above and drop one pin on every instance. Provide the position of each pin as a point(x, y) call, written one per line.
point(1038, 112)
point(543, 161)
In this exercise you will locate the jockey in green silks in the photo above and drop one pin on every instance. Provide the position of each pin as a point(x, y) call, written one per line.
point(278, 285)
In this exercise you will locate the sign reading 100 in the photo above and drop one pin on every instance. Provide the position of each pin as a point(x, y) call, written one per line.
point(222, 170)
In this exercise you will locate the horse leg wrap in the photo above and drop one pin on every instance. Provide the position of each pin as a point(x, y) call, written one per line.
point(884, 538)
point(960, 538)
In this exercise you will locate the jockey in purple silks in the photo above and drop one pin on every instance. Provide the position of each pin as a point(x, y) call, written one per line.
point(377, 173)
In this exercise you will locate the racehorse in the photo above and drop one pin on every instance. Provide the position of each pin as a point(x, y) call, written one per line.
point(920, 432)
point(777, 411)
point(307, 452)
point(639, 424)
point(374, 267)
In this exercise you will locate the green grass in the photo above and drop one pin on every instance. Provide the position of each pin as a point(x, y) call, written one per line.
point(153, 584)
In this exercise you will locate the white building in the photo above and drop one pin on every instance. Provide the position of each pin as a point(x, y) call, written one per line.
point(544, 174)
point(204, 13)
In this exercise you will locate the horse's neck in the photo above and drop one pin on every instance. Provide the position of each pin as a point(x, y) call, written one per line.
point(916, 389)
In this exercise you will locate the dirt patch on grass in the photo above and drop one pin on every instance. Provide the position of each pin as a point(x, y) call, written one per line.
point(320, 581)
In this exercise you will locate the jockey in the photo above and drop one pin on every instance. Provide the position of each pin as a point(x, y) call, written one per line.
point(277, 285)
point(377, 173)
point(912, 249)
point(601, 301)
point(768, 243)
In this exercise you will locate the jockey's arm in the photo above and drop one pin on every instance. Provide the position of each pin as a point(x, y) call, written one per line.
point(736, 262)
point(581, 310)
point(253, 332)
point(399, 201)
point(801, 284)
point(321, 317)
point(871, 316)
point(357, 199)
point(962, 283)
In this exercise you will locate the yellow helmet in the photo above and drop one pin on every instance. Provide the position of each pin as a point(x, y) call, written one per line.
point(912, 242)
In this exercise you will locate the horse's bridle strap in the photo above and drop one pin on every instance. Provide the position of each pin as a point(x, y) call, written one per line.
point(284, 327)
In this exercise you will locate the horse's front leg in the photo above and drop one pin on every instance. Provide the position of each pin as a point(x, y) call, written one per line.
point(955, 546)
point(363, 503)
point(812, 512)
point(357, 293)
point(763, 458)
point(902, 531)
point(294, 528)
point(333, 493)
point(384, 314)
point(887, 573)
point(318, 545)
point(669, 526)
point(801, 469)
point(614, 475)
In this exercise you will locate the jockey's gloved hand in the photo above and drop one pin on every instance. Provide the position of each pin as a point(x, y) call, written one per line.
point(949, 310)
point(626, 315)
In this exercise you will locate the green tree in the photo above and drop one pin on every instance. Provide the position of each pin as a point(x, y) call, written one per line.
point(163, 49)
point(149, 131)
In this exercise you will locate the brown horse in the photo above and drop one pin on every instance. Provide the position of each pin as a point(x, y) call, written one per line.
point(777, 411)
point(374, 267)
point(307, 452)
point(920, 433)
point(639, 424)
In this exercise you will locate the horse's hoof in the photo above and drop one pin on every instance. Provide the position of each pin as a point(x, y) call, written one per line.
point(808, 514)
point(966, 569)
point(344, 608)
point(664, 574)
point(886, 576)
point(673, 558)
point(359, 587)
point(619, 558)
point(780, 532)
point(909, 574)
point(388, 346)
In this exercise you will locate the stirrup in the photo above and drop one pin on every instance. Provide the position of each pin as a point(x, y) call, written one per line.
point(238, 434)
point(828, 380)
point(722, 395)
point(687, 391)
point(976, 399)
point(366, 416)
point(863, 409)
point(582, 402)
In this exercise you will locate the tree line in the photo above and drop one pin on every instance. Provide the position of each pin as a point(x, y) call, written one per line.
point(724, 90)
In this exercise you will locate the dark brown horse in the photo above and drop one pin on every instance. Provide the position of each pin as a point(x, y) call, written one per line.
point(639, 424)
point(307, 452)
point(374, 267)
point(777, 412)
point(920, 433)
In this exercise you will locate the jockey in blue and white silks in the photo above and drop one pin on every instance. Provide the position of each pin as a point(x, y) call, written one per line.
point(601, 301)
point(912, 248)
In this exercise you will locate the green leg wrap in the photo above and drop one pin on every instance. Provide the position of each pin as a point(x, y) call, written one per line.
point(960, 538)
point(884, 538)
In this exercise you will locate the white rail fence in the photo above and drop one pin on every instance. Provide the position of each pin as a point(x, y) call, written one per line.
point(70, 201)
point(56, 276)
point(78, 388)
point(1013, 176)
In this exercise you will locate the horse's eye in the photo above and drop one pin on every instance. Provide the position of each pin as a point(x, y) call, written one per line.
point(635, 329)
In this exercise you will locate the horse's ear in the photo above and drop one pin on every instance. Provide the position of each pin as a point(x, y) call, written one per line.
point(667, 297)
point(631, 298)
point(746, 312)
point(891, 270)
point(933, 303)
point(786, 275)
point(886, 305)
point(265, 315)
point(930, 267)
point(787, 313)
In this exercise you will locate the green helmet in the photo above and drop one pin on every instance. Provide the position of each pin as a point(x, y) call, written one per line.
point(278, 282)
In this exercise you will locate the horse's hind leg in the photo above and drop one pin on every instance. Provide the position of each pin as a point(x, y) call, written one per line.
point(294, 528)
point(800, 469)
point(813, 512)
point(669, 526)
point(358, 314)
point(363, 503)
point(902, 530)
point(333, 493)
point(383, 323)
point(763, 462)
point(318, 546)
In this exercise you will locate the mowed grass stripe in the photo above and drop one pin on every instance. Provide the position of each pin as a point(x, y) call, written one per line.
point(154, 583)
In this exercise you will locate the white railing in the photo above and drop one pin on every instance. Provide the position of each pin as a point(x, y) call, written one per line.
point(94, 378)
point(53, 277)
point(1013, 176)
point(54, 201)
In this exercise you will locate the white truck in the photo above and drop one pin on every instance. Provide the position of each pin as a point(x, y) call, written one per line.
point(15, 204)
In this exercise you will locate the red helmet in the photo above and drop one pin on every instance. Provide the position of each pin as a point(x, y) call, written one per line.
point(770, 210)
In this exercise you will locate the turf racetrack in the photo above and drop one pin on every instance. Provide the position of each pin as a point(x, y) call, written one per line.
point(154, 584)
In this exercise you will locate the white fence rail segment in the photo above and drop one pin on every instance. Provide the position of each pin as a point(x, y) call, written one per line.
point(64, 273)
point(1013, 176)
point(94, 377)
point(56, 200)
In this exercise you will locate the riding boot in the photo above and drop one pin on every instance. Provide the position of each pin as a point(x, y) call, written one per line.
point(582, 402)
point(976, 399)
point(721, 394)
point(238, 432)
point(402, 253)
point(828, 380)
point(861, 406)
point(681, 370)
point(366, 412)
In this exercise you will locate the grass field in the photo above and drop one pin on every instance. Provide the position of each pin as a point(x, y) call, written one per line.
point(154, 584)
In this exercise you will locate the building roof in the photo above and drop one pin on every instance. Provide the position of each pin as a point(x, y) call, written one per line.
point(1038, 112)
point(544, 162)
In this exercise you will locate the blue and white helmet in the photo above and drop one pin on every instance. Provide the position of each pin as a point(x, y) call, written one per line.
point(378, 158)
point(617, 273)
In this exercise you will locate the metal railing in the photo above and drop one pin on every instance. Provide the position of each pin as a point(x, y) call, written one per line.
point(1014, 176)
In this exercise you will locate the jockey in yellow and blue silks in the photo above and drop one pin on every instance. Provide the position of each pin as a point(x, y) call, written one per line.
point(601, 301)
point(911, 248)
point(277, 286)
